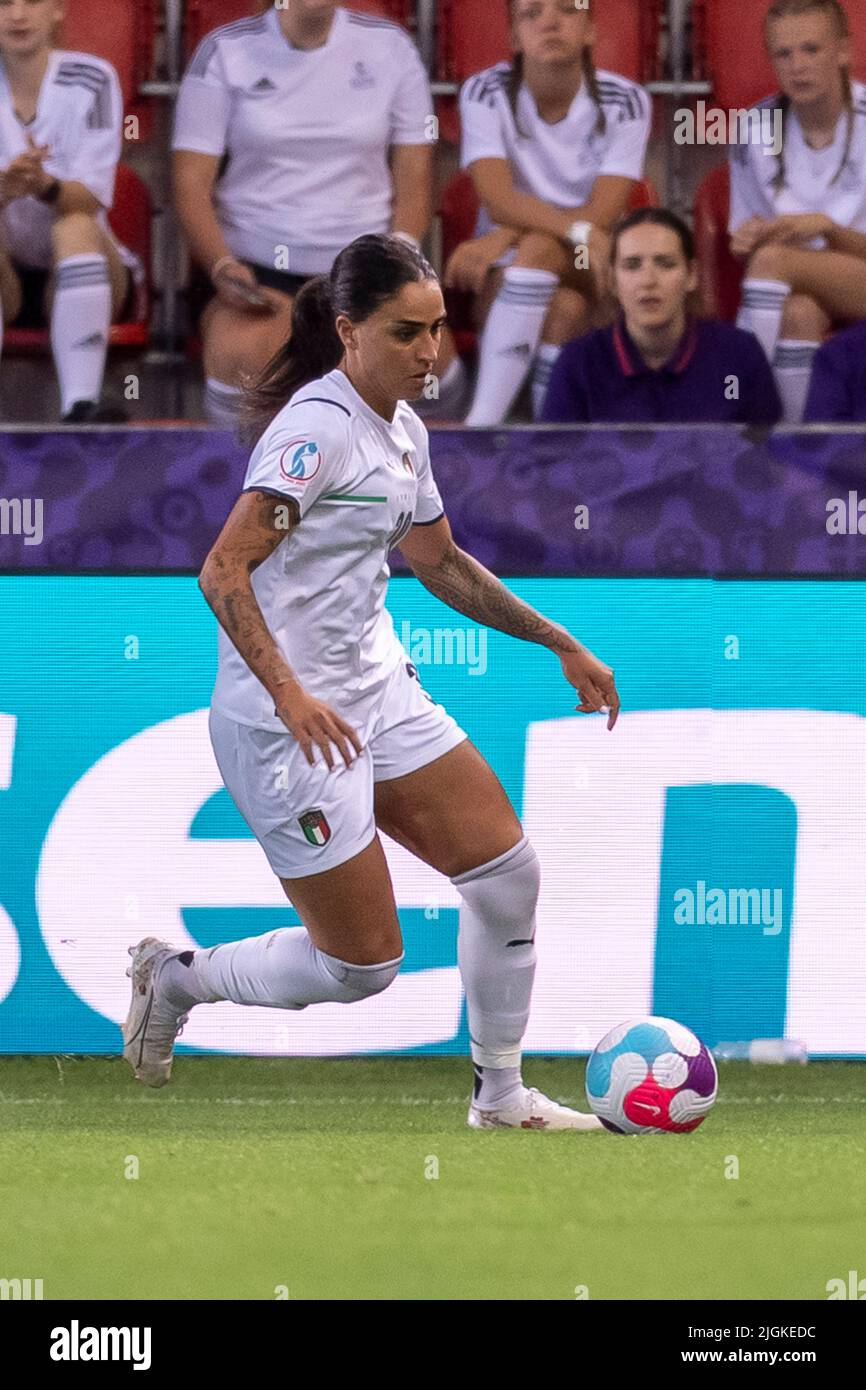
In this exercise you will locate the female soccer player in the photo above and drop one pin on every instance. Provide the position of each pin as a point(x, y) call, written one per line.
point(61, 117)
point(296, 131)
point(310, 666)
point(800, 220)
point(554, 148)
point(658, 363)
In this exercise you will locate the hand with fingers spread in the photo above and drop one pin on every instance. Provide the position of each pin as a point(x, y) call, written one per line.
point(315, 724)
point(593, 682)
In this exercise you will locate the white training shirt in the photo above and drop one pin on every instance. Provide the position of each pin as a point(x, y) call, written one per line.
point(809, 173)
point(80, 118)
point(558, 163)
point(307, 133)
point(360, 483)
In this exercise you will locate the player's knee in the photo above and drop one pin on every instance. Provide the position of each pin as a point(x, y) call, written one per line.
point(804, 319)
point(507, 893)
point(355, 982)
point(74, 233)
point(768, 262)
point(538, 251)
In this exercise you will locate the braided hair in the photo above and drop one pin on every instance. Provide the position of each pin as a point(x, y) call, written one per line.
point(782, 9)
point(590, 77)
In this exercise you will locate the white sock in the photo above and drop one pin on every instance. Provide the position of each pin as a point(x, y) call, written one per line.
point(792, 368)
point(80, 320)
point(452, 388)
point(761, 310)
point(221, 402)
point(510, 341)
point(496, 954)
point(280, 970)
point(541, 374)
point(495, 1087)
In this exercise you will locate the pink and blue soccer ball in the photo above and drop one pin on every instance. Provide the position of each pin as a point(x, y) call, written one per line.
point(651, 1076)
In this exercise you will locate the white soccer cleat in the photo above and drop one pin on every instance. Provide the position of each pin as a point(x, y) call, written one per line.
point(531, 1110)
point(151, 1028)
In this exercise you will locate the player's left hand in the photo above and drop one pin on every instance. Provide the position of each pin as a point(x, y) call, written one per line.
point(25, 175)
point(593, 682)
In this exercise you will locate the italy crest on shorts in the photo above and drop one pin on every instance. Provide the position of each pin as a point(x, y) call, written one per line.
point(315, 827)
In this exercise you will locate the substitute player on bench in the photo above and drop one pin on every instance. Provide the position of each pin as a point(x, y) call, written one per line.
point(61, 127)
point(296, 131)
point(800, 220)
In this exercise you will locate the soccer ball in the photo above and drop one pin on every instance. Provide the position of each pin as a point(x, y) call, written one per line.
point(651, 1076)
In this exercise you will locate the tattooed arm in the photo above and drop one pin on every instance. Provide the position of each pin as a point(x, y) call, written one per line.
point(466, 586)
point(257, 524)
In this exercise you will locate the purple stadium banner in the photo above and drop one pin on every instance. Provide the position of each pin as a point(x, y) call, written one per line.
point(599, 501)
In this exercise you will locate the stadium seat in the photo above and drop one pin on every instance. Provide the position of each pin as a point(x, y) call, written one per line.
point(732, 36)
point(474, 34)
point(130, 219)
point(721, 274)
point(204, 15)
point(126, 42)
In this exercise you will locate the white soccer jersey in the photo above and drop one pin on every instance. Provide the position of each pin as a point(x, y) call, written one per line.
point(559, 163)
point(360, 483)
point(80, 118)
point(307, 133)
point(809, 174)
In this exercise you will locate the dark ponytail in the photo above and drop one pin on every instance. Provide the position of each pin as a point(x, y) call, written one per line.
point(312, 349)
point(367, 273)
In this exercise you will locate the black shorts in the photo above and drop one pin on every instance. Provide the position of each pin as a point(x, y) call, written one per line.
point(201, 290)
point(33, 282)
point(277, 279)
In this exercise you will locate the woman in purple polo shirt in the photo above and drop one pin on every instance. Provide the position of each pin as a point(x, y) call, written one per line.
point(658, 364)
point(838, 389)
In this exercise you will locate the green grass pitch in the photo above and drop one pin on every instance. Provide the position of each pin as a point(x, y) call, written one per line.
point(317, 1179)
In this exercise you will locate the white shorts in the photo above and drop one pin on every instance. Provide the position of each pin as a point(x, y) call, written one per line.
point(309, 819)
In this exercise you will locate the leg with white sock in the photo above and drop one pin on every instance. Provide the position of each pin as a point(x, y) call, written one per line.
point(804, 327)
point(542, 371)
point(496, 956)
point(236, 345)
point(570, 315)
point(349, 909)
point(88, 285)
point(222, 403)
point(761, 310)
point(510, 341)
point(280, 970)
point(792, 368)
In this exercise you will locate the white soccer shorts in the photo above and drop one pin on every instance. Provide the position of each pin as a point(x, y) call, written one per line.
point(309, 819)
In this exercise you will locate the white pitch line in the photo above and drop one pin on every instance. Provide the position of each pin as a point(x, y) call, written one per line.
point(385, 1100)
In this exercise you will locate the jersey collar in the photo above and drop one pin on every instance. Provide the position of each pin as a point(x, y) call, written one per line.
point(631, 362)
point(336, 30)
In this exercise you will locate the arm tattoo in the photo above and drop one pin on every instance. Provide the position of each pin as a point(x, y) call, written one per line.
point(249, 537)
point(466, 586)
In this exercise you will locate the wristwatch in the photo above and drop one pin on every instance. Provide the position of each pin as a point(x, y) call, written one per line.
point(579, 233)
point(51, 193)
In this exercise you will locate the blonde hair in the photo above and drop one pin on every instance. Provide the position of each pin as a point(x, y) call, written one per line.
point(783, 9)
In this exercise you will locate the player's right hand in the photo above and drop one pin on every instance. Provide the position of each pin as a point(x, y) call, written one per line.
point(469, 266)
point(237, 286)
point(315, 725)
